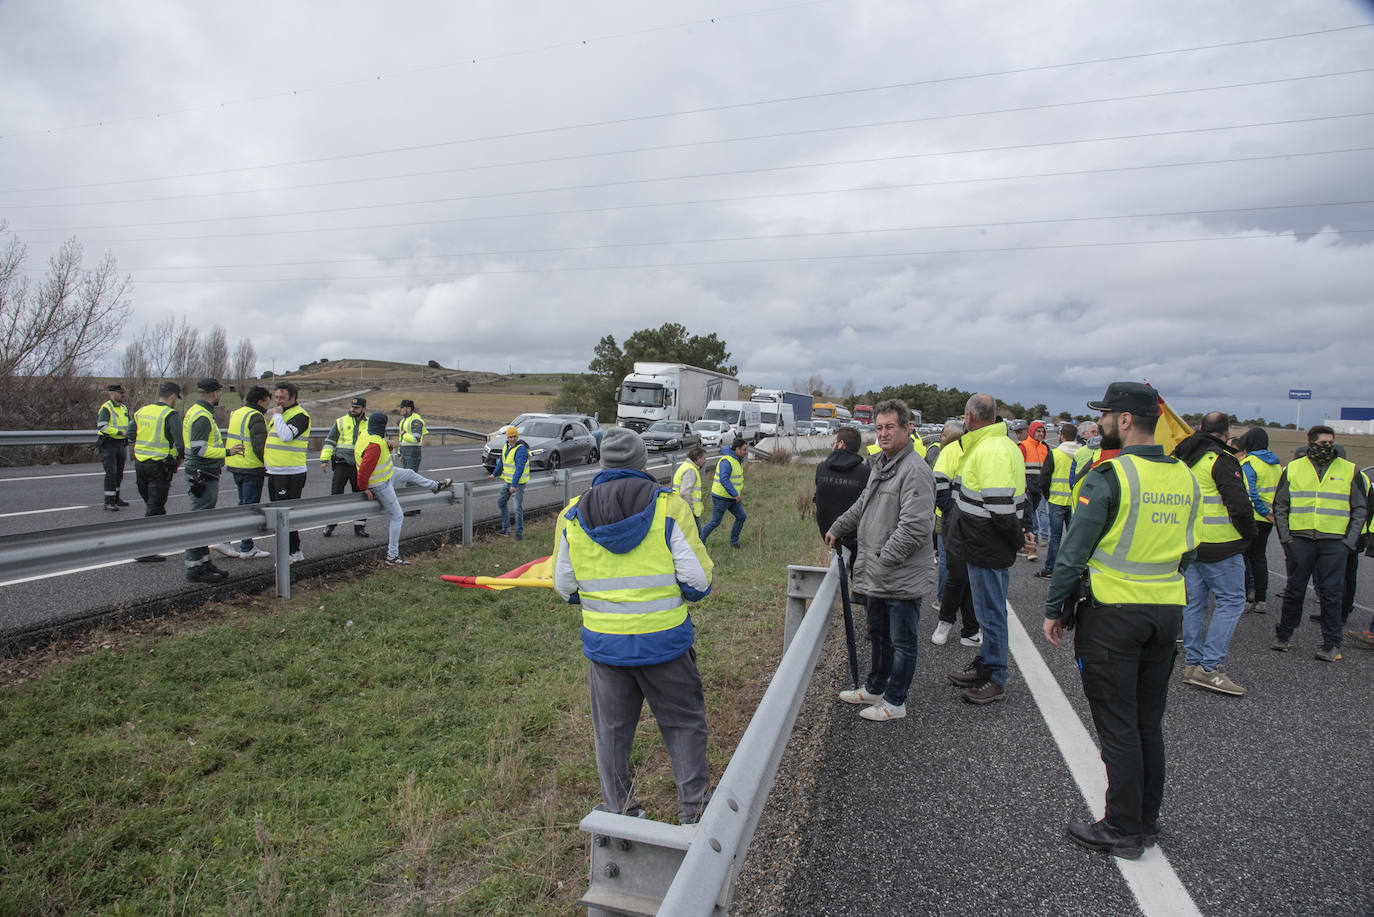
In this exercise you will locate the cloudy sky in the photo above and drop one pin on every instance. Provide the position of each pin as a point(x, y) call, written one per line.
point(1030, 199)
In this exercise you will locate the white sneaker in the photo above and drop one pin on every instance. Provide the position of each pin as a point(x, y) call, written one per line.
point(227, 549)
point(975, 640)
point(860, 696)
point(941, 634)
point(297, 557)
point(254, 554)
point(882, 711)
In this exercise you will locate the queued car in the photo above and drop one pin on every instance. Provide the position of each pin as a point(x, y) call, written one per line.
point(670, 436)
point(803, 428)
point(553, 443)
point(712, 432)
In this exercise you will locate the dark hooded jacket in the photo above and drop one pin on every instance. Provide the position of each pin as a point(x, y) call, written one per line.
point(840, 478)
point(1230, 483)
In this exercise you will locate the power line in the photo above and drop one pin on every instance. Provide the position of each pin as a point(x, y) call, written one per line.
point(606, 246)
point(673, 146)
point(370, 80)
point(747, 261)
point(731, 107)
point(601, 185)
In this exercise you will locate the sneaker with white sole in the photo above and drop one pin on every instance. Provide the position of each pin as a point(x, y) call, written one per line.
point(297, 557)
point(975, 640)
point(397, 562)
point(1216, 680)
point(225, 548)
point(941, 635)
point(882, 711)
point(859, 696)
point(253, 554)
point(1188, 672)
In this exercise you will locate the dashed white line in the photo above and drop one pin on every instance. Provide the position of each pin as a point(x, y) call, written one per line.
point(31, 512)
point(1157, 888)
point(49, 477)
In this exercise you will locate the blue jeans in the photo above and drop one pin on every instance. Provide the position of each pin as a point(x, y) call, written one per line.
point(1042, 518)
point(250, 493)
point(385, 494)
point(719, 507)
point(943, 572)
point(1225, 580)
point(892, 633)
point(518, 498)
point(989, 586)
point(1059, 521)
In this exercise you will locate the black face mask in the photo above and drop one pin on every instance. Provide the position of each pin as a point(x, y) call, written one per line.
point(1321, 453)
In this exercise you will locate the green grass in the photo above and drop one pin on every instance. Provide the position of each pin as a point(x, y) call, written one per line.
point(381, 744)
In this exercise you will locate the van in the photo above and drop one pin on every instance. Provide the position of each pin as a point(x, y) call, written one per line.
point(777, 419)
point(743, 418)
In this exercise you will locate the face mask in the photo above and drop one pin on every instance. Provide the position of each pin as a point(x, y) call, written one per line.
point(1094, 442)
point(1321, 453)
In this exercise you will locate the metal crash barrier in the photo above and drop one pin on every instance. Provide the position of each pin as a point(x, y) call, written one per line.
point(642, 867)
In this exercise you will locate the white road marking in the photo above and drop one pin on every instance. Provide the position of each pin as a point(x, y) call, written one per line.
point(1157, 888)
point(455, 468)
point(30, 512)
point(49, 477)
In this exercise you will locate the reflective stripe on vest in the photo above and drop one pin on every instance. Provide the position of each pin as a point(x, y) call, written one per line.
point(1266, 482)
point(1319, 505)
point(1060, 495)
point(382, 473)
point(733, 467)
point(211, 449)
point(1084, 459)
point(696, 487)
point(631, 593)
point(117, 427)
point(238, 433)
point(1034, 453)
point(991, 475)
point(1368, 500)
point(1216, 521)
point(508, 463)
point(346, 431)
point(280, 453)
point(152, 444)
point(1136, 561)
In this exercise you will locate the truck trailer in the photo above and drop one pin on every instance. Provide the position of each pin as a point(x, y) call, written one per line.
point(669, 391)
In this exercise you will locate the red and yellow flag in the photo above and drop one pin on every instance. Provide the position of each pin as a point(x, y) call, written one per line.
point(1171, 429)
point(537, 573)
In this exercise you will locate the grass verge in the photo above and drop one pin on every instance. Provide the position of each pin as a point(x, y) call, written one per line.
point(378, 744)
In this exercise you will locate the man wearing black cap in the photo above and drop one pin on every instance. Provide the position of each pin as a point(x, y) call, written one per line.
point(338, 459)
point(112, 432)
point(1133, 529)
point(158, 451)
point(205, 454)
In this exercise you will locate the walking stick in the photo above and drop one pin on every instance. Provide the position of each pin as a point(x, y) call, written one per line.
point(848, 620)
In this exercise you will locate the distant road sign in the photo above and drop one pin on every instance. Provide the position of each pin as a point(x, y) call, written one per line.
point(1300, 394)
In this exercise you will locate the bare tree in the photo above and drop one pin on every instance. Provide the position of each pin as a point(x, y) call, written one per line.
point(214, 353)
point(186, 364)
point(133, 370)
point(157, 342)
point(245, 364)
point(811, 385)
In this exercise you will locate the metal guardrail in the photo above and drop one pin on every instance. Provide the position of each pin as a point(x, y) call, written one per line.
point(67, 549)
point(88, 437)
point(648, 867)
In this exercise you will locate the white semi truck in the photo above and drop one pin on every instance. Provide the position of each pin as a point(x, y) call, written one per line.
point(669, 391)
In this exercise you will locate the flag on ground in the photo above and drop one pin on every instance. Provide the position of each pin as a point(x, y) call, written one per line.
point(537, 573)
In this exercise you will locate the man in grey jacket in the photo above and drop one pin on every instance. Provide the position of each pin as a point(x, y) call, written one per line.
point(895, 521)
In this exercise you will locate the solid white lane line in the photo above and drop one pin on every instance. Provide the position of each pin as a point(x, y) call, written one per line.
point(454, 468)
point(1157, 888)
point(32, 512)
point(49, 477)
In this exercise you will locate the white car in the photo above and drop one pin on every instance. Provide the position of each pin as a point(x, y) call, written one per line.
point(712, 432)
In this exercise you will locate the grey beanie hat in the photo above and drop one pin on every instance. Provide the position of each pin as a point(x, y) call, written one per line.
point(622, 448)
point(376, 423)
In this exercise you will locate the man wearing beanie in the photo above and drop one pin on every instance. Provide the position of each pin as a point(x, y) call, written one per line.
point(627, 552)
point(1261, 469)
point(378, 477)
point(513, 467)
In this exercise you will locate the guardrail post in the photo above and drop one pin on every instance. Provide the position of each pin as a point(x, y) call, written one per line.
point(279, 519)
point(467, 514)
point(567, 486)
point(633, 862)
point(802, 583)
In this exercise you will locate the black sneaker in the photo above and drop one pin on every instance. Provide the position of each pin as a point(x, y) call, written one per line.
point(111, 508)
point(1097, 836)
point(975, 673)
point(1280, 644)
point(120, 501)
point(1043, 574)
point(361, 533)
point(328, 531)
point(205, 574)
point(1329, 654)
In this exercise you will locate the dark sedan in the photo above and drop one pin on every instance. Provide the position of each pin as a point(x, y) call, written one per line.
point(670, 436)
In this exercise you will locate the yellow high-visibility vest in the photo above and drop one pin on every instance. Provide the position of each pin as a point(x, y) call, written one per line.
point(731, 465)
point(696, 487)
point(1136, 561)
point(1266, 482)
point(118, 425)
point(1319, 505)
point(413, 430)
point(382, 473)
point(238, 433)
point(152, 444)
point(508, 463)
point(1216, 521)
point(279, 453)
point(210, 449)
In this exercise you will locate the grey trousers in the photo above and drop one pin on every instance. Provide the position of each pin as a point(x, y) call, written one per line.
point(673, 690)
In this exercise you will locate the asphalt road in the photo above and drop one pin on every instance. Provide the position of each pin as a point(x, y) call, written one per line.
point(961, 810)
point(36, 499)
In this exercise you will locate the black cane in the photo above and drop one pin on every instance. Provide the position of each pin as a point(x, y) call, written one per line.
point(848, 620)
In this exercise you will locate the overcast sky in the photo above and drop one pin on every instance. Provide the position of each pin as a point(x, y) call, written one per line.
point(1028, 199)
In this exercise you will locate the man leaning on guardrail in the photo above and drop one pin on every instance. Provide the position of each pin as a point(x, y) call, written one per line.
point(627, 551)
point(895, 564)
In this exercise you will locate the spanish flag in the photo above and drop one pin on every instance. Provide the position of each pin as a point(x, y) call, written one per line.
point(536, 573)
point(1171, 430)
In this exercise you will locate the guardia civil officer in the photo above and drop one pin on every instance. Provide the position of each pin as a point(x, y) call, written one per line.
point(112, 433)
point(158, 451)
point(1133, 530)
point(338, 459)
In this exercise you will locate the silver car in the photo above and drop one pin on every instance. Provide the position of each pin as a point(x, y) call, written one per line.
point(553, 443)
